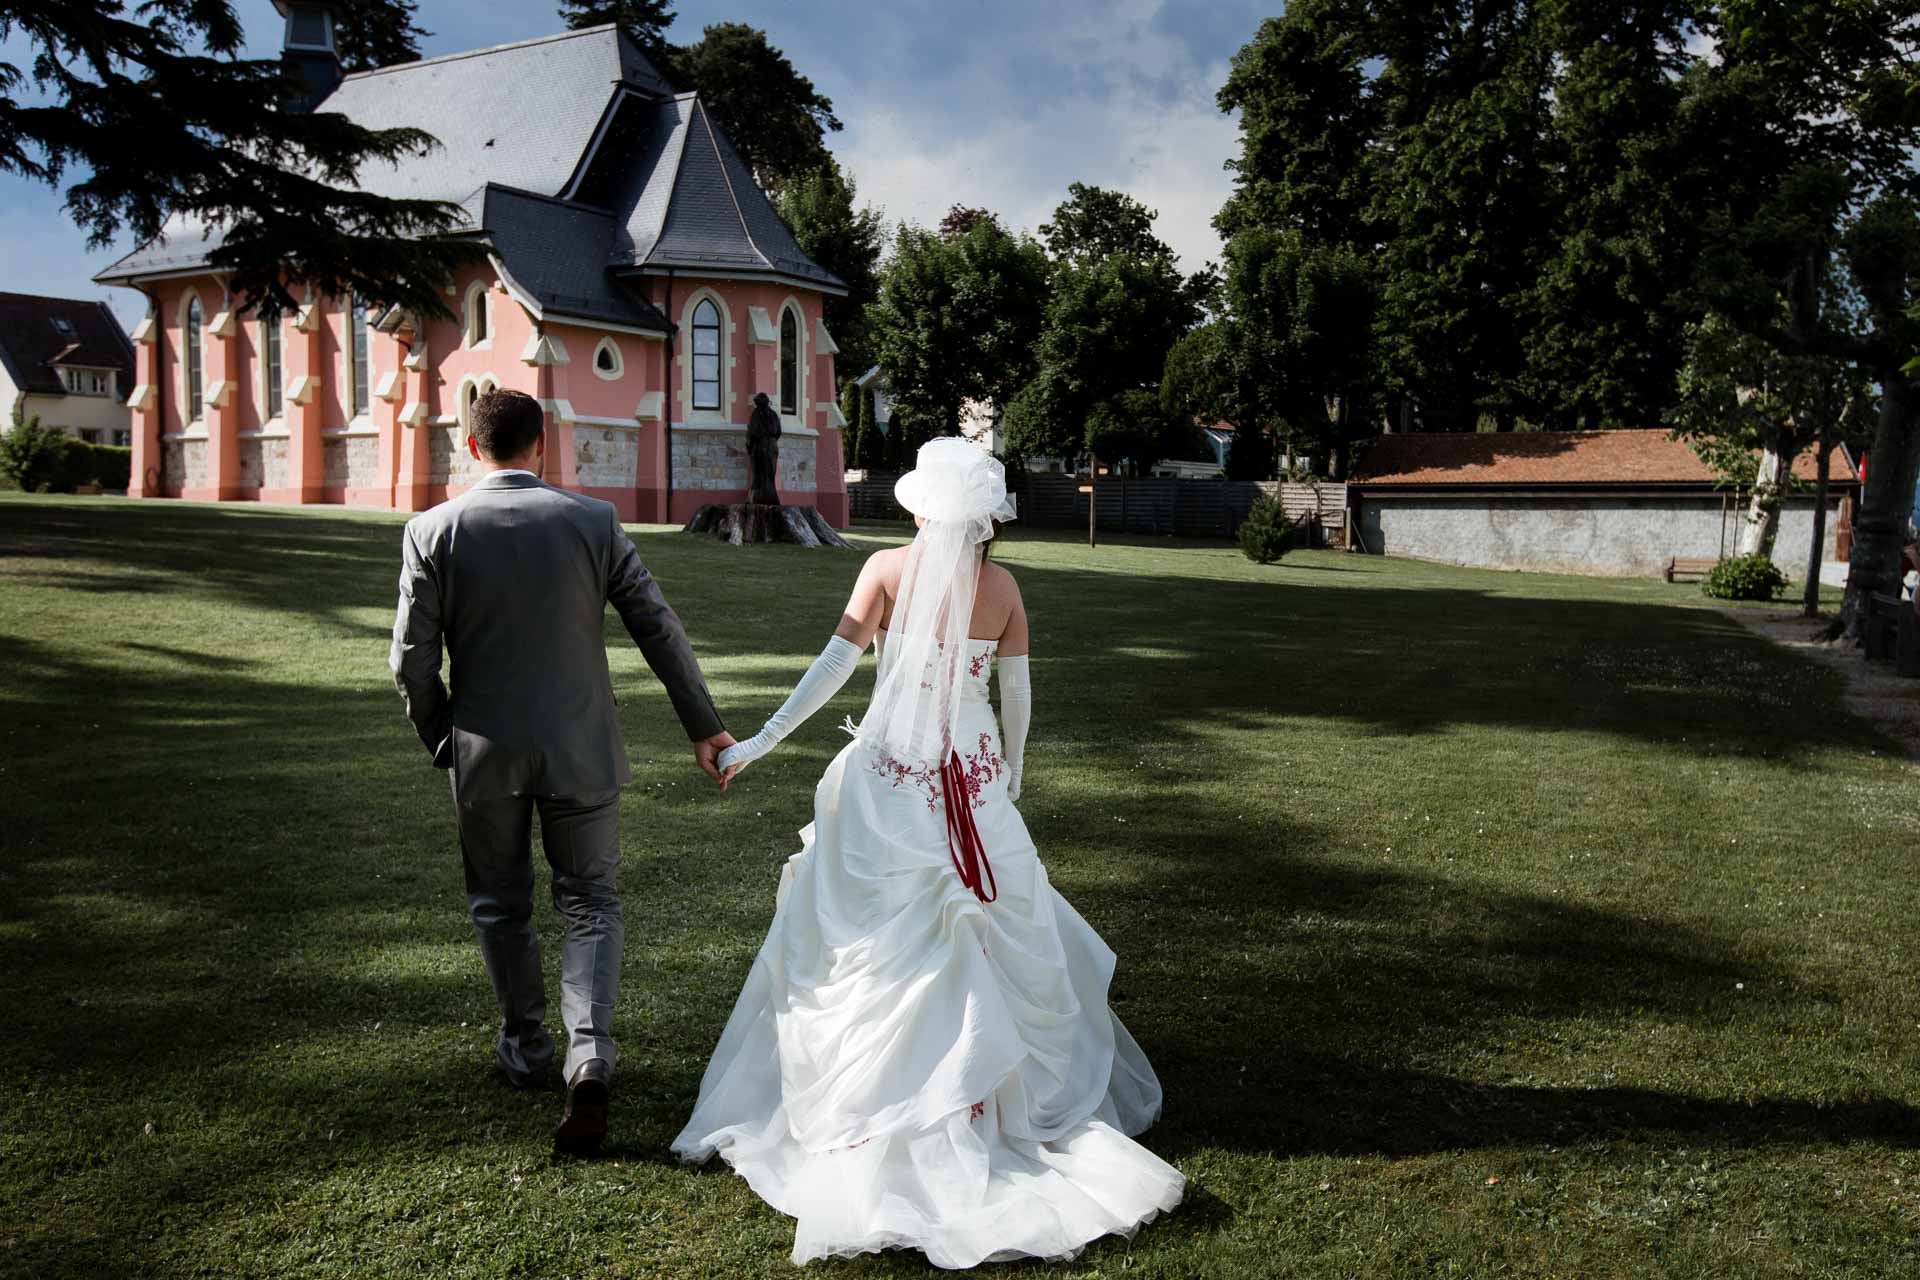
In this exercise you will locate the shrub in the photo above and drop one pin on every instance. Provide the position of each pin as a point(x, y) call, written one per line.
point(112, 465)
point(1745, 578)
point(36, 457)
point(1266, 533)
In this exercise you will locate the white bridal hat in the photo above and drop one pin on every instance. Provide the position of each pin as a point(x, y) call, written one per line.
point(954, 481)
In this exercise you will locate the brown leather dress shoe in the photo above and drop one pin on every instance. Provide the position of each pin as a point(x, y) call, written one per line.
point(584, 1122)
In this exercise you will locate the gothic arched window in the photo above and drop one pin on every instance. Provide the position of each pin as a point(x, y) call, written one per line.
point(789, 362)
point(706, 355)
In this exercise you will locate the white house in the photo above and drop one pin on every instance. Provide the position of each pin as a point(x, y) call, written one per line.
point(68, 363)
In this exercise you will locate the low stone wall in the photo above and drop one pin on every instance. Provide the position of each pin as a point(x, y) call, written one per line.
point(1575, 533)
point(276, 466)
point(606, 457)
point(714, 460)
point(183, 464)
point(448, 461)
point(351, 462)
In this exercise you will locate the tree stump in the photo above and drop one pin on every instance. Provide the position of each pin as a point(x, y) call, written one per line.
point(741, 523)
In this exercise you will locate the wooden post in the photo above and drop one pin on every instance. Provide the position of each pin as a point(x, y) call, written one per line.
point(1093, 496)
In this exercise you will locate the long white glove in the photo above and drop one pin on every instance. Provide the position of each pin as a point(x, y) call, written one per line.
point(1016, 717)
point(823, 679)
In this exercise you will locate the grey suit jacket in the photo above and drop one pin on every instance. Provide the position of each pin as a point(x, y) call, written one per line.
point(513, 579)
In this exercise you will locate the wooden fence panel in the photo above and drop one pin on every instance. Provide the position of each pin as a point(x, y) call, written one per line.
point(1148, 505)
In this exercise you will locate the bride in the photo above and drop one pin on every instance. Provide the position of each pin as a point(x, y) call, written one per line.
point(923, 1056)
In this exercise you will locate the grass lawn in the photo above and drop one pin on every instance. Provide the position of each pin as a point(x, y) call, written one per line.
point(1478, 924)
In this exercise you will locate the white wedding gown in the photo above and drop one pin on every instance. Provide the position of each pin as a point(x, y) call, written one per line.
point(911, 1067)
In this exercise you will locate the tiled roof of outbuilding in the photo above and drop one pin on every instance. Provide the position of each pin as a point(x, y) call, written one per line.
point(1546, 458)
point(32, 345)
point(550, 118)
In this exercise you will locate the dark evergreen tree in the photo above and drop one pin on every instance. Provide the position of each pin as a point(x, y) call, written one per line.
point(377, 33)
point(158, 110)
point(645, 21)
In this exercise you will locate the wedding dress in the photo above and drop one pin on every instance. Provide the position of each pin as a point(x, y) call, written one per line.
point(911, 1066)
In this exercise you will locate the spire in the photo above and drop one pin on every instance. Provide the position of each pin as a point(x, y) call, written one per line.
point(310, 52)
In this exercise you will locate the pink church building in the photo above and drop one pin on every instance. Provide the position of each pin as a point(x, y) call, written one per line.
point(636, 281)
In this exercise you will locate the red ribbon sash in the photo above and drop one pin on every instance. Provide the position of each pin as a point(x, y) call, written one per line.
point(963, 837)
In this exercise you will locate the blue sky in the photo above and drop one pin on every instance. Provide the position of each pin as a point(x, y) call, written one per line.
point(998, 103)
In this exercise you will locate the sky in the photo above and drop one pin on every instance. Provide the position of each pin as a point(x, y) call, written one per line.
point(994, 103)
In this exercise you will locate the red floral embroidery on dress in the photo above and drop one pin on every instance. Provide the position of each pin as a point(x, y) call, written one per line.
point(981, 768)
point(975, 1111)
point(978, 666)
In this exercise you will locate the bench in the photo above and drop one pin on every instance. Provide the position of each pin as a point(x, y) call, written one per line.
point(1690, 568)
point(1893, 631)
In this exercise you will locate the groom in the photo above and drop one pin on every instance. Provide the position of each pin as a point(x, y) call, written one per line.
point(512, 578)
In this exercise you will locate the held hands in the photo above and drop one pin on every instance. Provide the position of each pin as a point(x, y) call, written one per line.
point(741, 754)
point(708, 754)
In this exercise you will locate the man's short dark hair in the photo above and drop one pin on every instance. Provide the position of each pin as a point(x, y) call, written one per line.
point(505, 424)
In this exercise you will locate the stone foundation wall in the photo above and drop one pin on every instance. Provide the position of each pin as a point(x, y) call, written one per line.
point(186, 463)
point(351, 462)
point(449, 462)
point(718, 460)
point(605, 458)
point(251, 469)
point(276, 468)
point(173, 466)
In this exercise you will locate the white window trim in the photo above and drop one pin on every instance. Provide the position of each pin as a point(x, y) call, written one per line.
point(683, 362)
point(484, 383)
point(485, 312)
point(266, 369)
point(348, 385)
point(182, 362)
point(799, 415)
point(619, 361)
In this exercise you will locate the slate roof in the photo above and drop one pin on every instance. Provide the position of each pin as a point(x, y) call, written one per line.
point(582, 120)
point(31, 346)
point(1542, 459)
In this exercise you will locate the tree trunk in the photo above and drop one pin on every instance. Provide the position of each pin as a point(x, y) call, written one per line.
point(1762, 523)
point(1880, 524)
point(1817, 552)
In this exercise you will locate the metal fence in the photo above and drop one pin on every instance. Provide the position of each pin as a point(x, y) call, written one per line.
point(1154, 505)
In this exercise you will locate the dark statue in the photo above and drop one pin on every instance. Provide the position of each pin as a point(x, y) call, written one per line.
point(763, 517)
point(763, 453)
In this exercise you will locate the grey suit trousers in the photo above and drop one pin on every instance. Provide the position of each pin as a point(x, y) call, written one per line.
point(581, 837)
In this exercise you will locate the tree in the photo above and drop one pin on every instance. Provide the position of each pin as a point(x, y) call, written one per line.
point(772, 114)
point(165, 117)
point(377, 33)
point(1108, 328)
point(819, 208)
point(644, 21)
point(1604, 314)
point(1829, 87)
point(1309, 321)
point(1094, 223)
point(1743, 399)
point(961, 219)
point(955, 322)
point(1209, 379)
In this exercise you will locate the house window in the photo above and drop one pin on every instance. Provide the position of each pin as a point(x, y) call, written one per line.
point(706, 355)
point(789, 363)
point(90, 434)
point(63, 326)
point(123, 438)
point(270, 358)
point(358, 314)
point(195, 364)
point(477, 332)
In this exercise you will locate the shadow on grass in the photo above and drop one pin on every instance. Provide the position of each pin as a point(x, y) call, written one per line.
point(210, 875)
